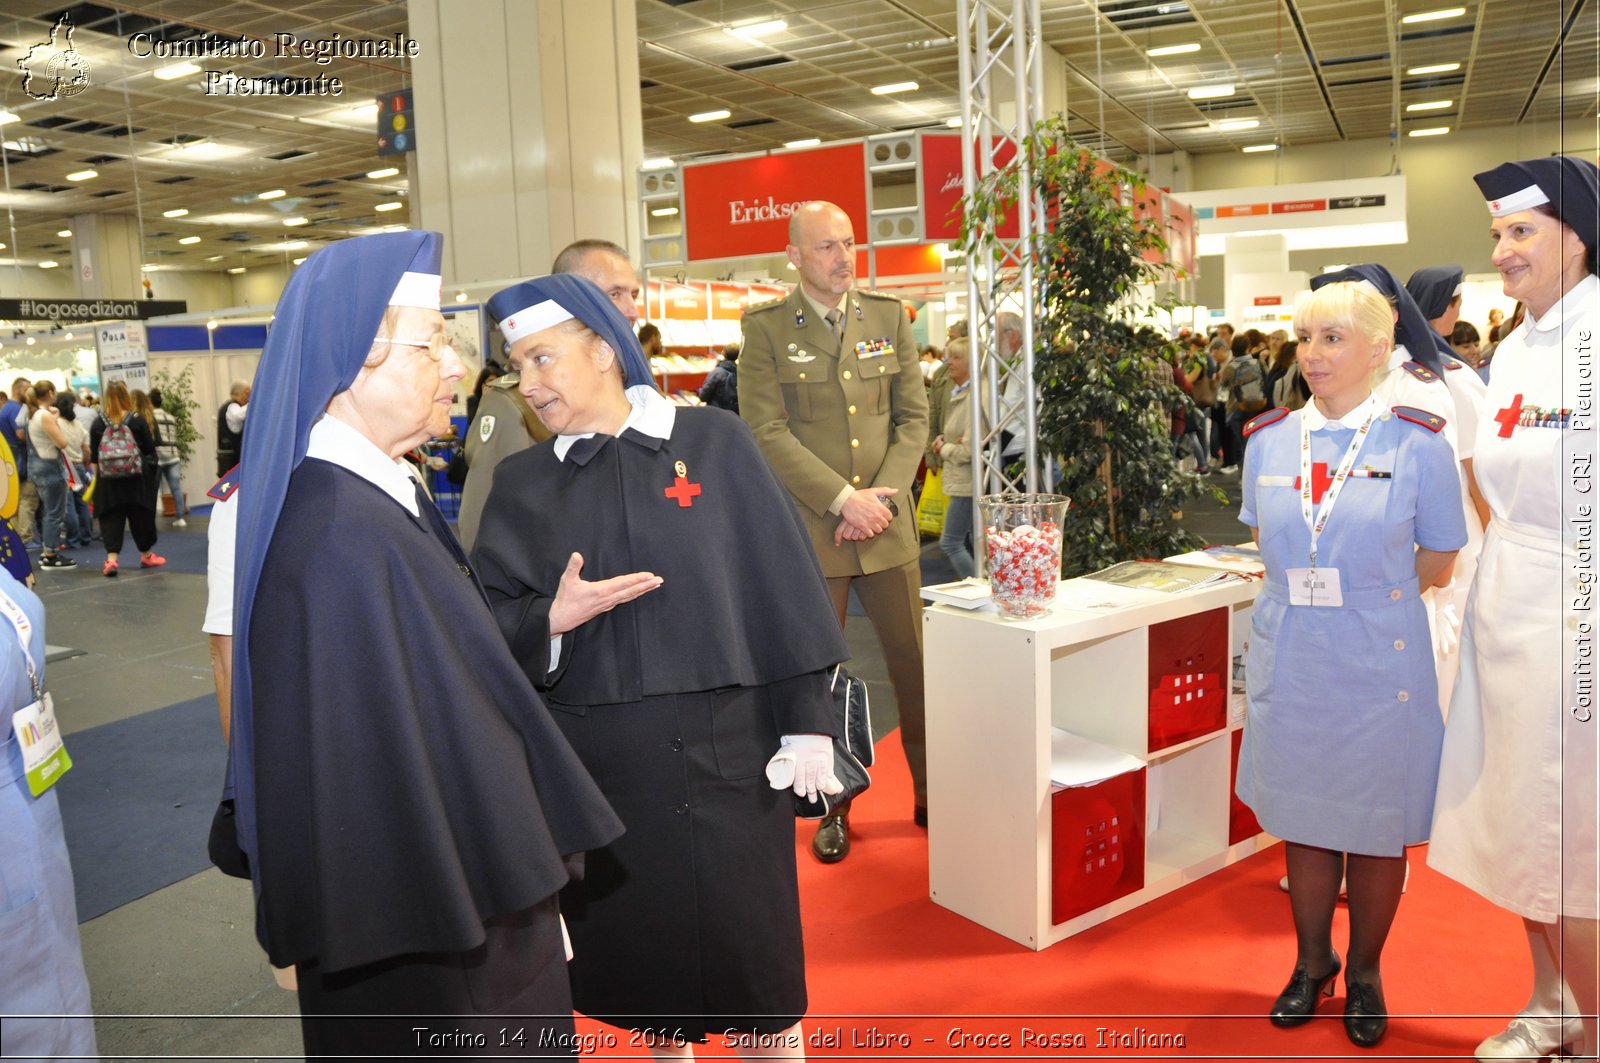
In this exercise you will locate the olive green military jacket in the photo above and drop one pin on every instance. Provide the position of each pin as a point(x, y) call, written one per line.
point(504, 425)
point(828, 414)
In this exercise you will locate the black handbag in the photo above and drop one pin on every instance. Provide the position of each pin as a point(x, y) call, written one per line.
point(853, 752)
point(222, 846)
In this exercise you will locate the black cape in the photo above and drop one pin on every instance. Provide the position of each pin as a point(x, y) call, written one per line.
point(742, 603)
point(410, 784)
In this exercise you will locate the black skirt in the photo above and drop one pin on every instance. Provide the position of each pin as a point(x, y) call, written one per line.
point(689, 924)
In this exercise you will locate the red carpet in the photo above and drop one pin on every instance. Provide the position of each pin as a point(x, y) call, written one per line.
point(893, 975)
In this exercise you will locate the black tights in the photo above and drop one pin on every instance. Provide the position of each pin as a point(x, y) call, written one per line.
point(1374, 884)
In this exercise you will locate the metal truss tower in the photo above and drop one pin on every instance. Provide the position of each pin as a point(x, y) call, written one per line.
point(1002, 93)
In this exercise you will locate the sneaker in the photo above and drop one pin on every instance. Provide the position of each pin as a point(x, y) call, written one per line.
point(1531, 1037)
point(110, 568)
point(151, 560)
point(180, 523)
point(57, 561)
point(1229, 470)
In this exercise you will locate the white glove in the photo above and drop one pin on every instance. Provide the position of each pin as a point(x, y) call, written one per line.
point(806, 763)
point(1446, 621)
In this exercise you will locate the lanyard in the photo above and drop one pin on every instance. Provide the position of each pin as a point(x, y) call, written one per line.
point(24, 628)
point(1342, 474)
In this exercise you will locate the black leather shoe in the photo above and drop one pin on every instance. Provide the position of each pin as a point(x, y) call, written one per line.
point(832, 840)
point(1366, 1017)
point(919, 816)
point(1298, 1001)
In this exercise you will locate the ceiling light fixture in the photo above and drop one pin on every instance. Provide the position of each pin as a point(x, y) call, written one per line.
point(49, 263)
point(175, 71)
point(212, 324)
point(1251, 149)
point(711, 116)
point(461, 297)
point(1431, 105)
point(1434, 131)
point(298, 261)
point(7, 117)
point(189, 240)
point(808, 142)
point(276, 193)
point(1234, 124)
point(756, 28)
point(894, 87)
point(178, 212)
point(236, 270)
point(1172, 49)
point(65, 234)
point(1434, 16)
point(1211, 92)
point(291, 222)
point(662, 163)
point(663, 212)
point(387, 171)
point(83, 175)
point(389, 204)
point(1433, 68)
point(953, 123)
point(43, 265)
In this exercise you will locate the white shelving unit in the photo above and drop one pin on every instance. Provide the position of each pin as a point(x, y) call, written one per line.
point(998, 689)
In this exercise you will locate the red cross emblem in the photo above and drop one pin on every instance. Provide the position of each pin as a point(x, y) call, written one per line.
point(1320, 481)
point(1508, 417)
point(682, 490)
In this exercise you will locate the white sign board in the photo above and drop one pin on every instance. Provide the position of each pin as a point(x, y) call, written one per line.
point(124, 353)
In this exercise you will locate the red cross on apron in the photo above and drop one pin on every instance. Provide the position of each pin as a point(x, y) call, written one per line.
point(1508, 416)
point(1320, 481)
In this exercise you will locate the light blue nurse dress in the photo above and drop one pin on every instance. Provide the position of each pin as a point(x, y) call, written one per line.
point(41, 964)
point(1342, 737)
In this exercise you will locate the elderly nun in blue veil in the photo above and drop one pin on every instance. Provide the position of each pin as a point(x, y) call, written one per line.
point(655, 581)
point(407, 808)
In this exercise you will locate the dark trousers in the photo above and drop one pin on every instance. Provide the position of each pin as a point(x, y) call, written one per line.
point(893, 601)
point(507, 997)
point(114, 518)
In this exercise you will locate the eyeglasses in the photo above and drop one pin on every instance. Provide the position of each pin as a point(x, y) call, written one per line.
point(434, 346)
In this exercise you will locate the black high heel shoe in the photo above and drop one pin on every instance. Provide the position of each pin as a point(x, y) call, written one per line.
point(1366, 1016)
point(1298, 1001)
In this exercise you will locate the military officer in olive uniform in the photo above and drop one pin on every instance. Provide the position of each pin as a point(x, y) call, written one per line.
point(830, 384)
point(505, 424)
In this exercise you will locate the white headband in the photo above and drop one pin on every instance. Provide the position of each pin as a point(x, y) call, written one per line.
point(535, 318)
point(1525, 199)
point(417, 289)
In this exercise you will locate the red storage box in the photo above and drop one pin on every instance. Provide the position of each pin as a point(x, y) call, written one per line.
point(1097, 844)
point(1242, 822)
point(1189, 666)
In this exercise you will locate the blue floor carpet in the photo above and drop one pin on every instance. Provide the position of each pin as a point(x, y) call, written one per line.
point(138, 801)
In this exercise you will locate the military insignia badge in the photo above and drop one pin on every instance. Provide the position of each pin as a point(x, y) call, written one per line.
point(485, 427)
point(874, 348)
point(802, 357)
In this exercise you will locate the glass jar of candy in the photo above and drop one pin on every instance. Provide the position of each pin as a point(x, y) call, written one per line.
point(1022, 547)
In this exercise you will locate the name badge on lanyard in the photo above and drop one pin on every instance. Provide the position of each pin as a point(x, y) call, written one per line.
point(44, 755)
point(1319, 586)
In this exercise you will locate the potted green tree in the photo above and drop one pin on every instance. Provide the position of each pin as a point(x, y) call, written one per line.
point(177, 399)
point(1104, 384)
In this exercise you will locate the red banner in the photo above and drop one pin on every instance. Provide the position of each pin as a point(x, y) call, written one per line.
point(941, 185)
point(682, 302)
point(1299, 206)
point(740, 208)
point(1181, 247)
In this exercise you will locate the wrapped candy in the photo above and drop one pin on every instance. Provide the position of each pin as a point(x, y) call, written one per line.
point(1022, 538)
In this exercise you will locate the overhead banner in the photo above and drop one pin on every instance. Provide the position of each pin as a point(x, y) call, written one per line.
point(78, 311)
point(941, 185)
point(741, 207)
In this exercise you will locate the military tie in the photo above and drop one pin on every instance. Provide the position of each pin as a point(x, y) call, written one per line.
point(835, 324)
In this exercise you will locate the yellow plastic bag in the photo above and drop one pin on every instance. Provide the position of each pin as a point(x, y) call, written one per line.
point(931, 506)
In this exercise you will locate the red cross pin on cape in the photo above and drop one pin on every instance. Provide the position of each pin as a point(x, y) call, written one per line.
point(682, 490)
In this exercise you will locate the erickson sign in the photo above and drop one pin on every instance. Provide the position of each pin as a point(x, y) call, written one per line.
point(740, 207)
point(75, 311)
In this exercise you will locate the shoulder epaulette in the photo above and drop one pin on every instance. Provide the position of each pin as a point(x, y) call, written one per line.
point(755, 308)
point(224, 488)
point(1451, 363)
point(875, 294)
point(1420, 371)
point(1263, 420)
point(1431, 421)
point(505, 382)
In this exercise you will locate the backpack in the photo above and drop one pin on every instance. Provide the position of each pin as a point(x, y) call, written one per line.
point(119, 451)
point(1248, 391)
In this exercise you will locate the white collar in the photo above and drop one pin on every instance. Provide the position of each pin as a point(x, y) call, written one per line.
point(337, 443)
point(1315, 421)
point(653, 414)
point(1397, 357)
point(1570, 304)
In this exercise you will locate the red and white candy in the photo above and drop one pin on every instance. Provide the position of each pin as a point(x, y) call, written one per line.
point(1024, 567)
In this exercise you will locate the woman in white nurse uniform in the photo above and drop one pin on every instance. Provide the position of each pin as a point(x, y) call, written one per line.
point(1515, 817)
